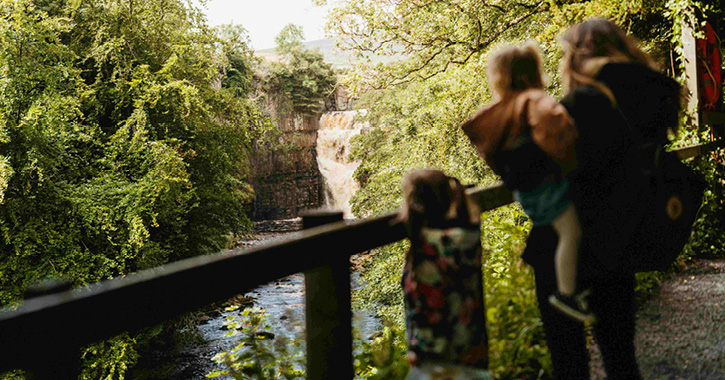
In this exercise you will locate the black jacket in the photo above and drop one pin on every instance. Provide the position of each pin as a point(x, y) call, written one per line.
point(650, 101)
point(605, 191)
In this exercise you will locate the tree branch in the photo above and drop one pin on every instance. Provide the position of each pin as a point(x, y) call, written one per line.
point(418, 72)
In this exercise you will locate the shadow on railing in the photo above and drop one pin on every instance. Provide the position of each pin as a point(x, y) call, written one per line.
point(60, 324)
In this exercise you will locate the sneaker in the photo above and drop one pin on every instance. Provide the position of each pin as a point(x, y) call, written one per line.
point(575, 306)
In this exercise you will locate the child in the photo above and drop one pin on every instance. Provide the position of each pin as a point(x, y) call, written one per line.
point(442, 280)
point(527, 138)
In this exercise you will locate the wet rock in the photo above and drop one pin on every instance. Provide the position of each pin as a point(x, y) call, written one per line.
point(242, 301)
point(283, 225)
point(264, 335)
point(203, 318)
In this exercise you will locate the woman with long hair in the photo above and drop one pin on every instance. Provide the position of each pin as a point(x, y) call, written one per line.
point(618, 101)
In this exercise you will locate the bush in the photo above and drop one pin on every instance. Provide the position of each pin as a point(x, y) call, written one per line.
point(117, 153)
point(256, 356)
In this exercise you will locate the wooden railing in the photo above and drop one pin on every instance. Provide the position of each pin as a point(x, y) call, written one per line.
point(46, 333)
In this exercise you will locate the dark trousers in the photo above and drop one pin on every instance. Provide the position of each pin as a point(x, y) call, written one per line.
point(612, 300)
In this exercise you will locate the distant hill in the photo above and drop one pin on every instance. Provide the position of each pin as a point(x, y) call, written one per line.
point(332, 56)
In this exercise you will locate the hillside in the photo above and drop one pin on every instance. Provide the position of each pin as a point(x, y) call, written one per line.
point(338, 59)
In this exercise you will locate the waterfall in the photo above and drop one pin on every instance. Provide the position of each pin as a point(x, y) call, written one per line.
point(333, 145)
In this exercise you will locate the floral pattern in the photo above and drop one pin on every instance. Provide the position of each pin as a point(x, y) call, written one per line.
point(443, 286)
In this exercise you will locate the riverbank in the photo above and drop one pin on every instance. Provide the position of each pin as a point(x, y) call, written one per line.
point(204, 334)
point(282, 299)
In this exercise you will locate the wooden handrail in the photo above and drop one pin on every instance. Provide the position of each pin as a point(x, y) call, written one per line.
point(65, 321)
point(699, 149)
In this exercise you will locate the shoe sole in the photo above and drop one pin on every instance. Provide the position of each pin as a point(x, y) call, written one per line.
point(564, 308)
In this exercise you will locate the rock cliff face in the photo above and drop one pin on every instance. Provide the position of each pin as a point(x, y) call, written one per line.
point(286, 179)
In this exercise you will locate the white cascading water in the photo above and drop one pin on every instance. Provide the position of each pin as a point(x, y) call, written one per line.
point(333, 145)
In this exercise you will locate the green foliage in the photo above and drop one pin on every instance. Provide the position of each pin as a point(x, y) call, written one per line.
point(707, 239)
point(110, 359)
point(300, 80)
point(517, 345)
point(235, 46)
point(683, 13)
point(437, 36)
point(416, 105)
point(416, 127)
point(289, 38)
point(255, 357)
point(117, 151)
point(646, 283)
point(384, 357)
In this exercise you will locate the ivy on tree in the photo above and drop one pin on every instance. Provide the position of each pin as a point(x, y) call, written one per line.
point(117, 151)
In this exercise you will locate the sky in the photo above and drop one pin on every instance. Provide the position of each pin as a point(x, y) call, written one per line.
point(264, 19)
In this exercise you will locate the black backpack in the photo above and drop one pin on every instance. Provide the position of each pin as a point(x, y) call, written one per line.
point(669, 209)
point(671, 193)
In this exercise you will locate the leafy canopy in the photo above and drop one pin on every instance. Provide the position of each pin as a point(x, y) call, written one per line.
point(118, 151)
point(416, 105)
point(437, 35)
point(300, 81)
point(290, 37)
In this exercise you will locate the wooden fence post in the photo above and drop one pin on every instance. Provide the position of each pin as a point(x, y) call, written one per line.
point(328, 309)
point(689, 56)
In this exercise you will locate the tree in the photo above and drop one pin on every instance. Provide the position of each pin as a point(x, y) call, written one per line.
point(433, 34)
point(438, 34)
point(416, 105)
point(116, 151)
point(301, 79)
point(239, 73)
point(290, 37)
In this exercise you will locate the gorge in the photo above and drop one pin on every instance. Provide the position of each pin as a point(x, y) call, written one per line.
point(309, 167)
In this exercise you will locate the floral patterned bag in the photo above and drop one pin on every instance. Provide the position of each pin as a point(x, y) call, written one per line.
point(443, 286)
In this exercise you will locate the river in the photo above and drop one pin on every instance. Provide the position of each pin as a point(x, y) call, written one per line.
point(283, 300)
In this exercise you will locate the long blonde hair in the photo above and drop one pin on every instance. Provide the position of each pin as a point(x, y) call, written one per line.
point(515, 68)
point(592, 44)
